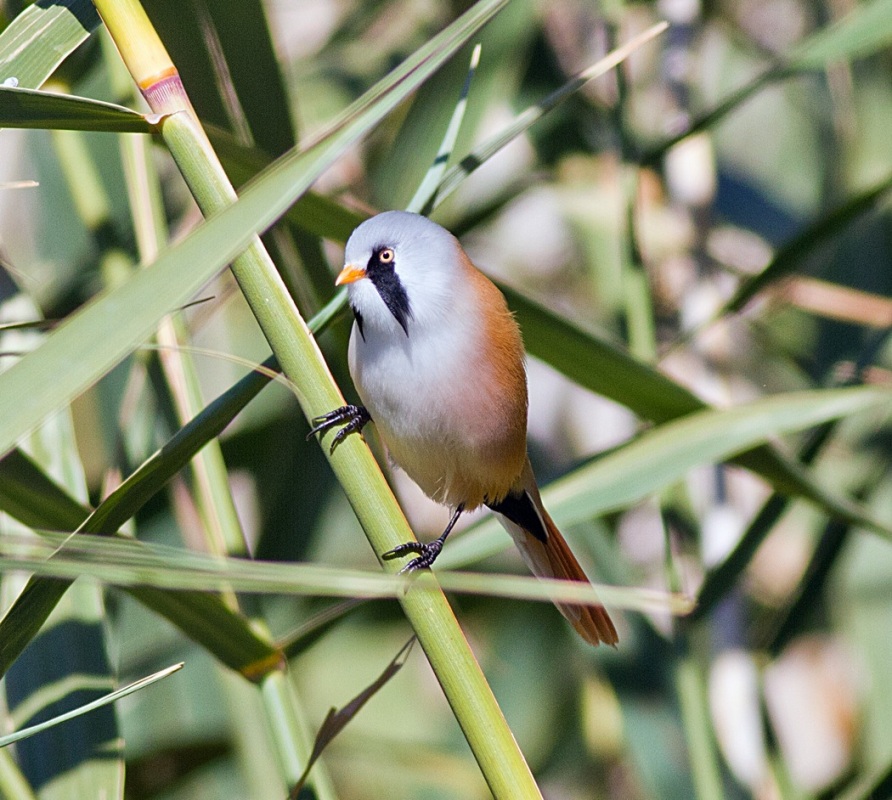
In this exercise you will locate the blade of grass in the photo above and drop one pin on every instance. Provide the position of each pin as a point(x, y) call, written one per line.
point(314, 213)
point(131, 564)
point(426, 195)
point(337, 719)
point(864, 30)
point(723, 577)
point(792, 254)
point(42, 37)
point(598, 364)
point(479, 155)
point(142, 683)
point(788, 621)
point(298, 640)
point(663, 455)
point(30, 108)
point(720, 580)
point(41, 683)
point(39, 680)
point(248, 47)
point(605, 368)
point(28, 495)
point(867, 28)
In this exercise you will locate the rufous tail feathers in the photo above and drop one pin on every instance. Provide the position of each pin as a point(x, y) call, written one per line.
point(554, 559)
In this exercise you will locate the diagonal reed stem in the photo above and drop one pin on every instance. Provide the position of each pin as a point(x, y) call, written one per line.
point(450, 656)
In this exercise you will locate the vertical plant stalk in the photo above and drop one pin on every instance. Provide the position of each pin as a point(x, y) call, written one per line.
point(428, 611)
point(636, 284)
point(222, 529)
point(290, 728)
point(12, 782)
point(91, 201)
point(690, 686)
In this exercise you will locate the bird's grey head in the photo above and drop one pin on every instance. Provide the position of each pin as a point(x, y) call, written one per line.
point(401, 271)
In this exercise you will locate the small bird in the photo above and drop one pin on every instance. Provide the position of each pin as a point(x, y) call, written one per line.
point(438, 361)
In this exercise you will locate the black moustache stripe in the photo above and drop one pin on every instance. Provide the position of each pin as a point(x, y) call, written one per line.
point(358, 317)
point(389, 286)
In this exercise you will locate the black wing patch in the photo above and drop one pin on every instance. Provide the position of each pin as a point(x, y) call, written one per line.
point(520, 510)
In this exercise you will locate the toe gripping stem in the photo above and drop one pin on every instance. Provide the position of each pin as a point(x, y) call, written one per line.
point(353, 418)
point(426, 552)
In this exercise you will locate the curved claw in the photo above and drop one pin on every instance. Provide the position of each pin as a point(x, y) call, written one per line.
point(427, 554)
point(353, 418)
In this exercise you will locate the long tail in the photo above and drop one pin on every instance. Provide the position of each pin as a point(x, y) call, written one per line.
point(549, 556)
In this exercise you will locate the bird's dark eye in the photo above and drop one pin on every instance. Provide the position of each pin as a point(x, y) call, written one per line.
point(385, 256)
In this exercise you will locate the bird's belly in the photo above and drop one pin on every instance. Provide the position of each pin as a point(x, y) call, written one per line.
point(439, 424)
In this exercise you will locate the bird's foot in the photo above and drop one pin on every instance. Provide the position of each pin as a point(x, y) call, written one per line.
point(353, 418)
point(427, 553)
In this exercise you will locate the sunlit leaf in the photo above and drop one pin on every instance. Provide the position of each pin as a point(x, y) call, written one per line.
point(29, 496)
point(41, 38)
point(172, 571)
point(866, 28)
point(30, 108)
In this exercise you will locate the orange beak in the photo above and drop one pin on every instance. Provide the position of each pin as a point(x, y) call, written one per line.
point(349, 274)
